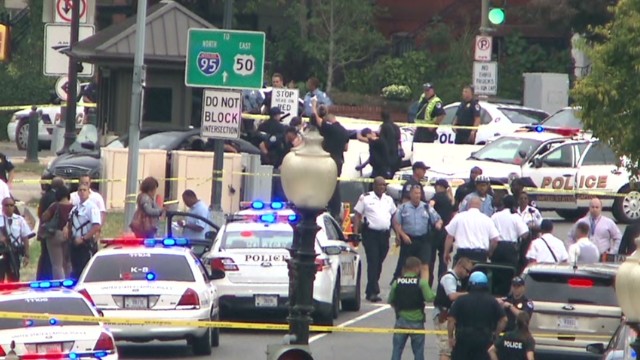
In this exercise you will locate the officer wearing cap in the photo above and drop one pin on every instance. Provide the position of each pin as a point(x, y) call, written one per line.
point(516, 302)
point(273, 126)
point(468, 115)
point(431, 113)
point(482, 191)
point(419, 171)
point(474, 321)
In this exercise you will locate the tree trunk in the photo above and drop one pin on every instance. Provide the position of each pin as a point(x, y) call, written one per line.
point(332, 48)
point(303, 20)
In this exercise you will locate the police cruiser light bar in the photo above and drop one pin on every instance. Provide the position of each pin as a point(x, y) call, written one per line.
point(261, 205)
point(46, 285)
point(151, 242)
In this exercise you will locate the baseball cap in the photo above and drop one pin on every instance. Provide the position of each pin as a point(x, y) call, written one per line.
point(482, 179)
point(427, 86)
point(275, 111)
point(443, 183)
point(517, 281)
point(420, 165)
point(365, 132)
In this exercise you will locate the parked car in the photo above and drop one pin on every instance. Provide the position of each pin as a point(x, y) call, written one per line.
point(619, 346)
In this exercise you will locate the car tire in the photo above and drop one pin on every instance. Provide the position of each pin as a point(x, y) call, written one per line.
point(22, 135)
point(335, 299)
point(572, 214)
point(215, 333)
point(354, 303)
point(202, 345)
point(626, 208)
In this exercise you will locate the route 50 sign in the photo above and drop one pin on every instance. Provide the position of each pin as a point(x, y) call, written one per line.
point(245, 65)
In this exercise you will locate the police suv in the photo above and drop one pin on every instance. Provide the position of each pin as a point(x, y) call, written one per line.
point(561, 173)
point(252, 252)
point(150, 279)
point(42, 339)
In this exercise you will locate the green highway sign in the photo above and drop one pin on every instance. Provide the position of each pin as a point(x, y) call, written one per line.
point(224, 59)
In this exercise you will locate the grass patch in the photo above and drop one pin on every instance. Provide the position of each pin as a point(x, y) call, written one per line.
point(29, 167)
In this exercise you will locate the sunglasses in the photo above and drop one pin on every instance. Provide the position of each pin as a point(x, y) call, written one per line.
point(9, 205)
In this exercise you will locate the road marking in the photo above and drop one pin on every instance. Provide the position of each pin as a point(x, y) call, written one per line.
point(352, 321)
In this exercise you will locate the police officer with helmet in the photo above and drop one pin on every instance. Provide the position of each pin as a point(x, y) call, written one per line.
point(431, 113)
point(474, 321)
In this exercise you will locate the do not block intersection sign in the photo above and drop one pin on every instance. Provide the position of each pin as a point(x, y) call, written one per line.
point(221, 114)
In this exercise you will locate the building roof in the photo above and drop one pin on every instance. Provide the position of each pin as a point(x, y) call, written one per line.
point(167, 26)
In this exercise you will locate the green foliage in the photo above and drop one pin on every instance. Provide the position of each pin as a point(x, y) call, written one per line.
point(608, 95)
point(577, 16)
point(396, 92)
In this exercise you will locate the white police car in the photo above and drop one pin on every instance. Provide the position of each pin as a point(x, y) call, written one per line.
point(495, 119)
point(252, 253)
point(149, 279)
point(52, 338)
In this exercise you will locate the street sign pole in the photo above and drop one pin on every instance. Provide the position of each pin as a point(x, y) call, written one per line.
point(135, 119)
point(70, 120)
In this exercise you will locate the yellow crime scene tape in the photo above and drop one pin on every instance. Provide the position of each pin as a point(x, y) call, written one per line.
point(40, 106)
point(245, 325)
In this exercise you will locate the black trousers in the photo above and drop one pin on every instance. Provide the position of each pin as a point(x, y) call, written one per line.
point(6, 272)
point(420, 247)
point(335, 203)
point(43, 271)
point(79, 257)
point(437, 251)
point(471, 346)
point(463, 136)
point(475, 255)
point(376, 247)
point(424, 135)
point(506, 253)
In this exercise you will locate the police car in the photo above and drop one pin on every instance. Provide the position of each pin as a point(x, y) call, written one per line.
point(149, 279)
point(495, 119)
point(561, 173)
point(252, 253)
point(44, 339)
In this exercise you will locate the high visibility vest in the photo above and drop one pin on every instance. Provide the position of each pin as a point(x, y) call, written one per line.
point(428, 119)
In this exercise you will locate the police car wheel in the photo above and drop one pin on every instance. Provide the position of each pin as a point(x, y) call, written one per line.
point(202, 345)
point(626, 209)
point(335, 299)
point(215, 334)
point(353, 304)
point(22, 135)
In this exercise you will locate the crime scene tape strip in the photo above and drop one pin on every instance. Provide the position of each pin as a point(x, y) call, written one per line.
point(243, 325)
point(40, 106)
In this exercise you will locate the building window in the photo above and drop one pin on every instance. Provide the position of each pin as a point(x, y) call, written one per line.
point(402, 43)
point(157, 105)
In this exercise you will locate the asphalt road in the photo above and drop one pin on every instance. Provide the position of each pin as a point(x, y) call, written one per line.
point(241, 344)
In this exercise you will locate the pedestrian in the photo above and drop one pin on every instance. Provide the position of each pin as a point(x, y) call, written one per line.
point(583, 251)
point(391, 135)
point(94, 196)
point(147, 215)
point(270, 130)
point(7, 170)
point(442, 202)
point(517, 186)
point(49, 186)
point(604, 232)
point(316, 94)
point(467, 115)
point(512, 229)
point(529, 214)
point(379, 160)
point(516, 302)
point(474, 321)
point(469, 186)
point(84, 224)
point(475, 234)
point(628, 242)
point(335, 142)
point(277, 82)
point(483, 187)
point(547, 248)
point(415, 223)
point(419, 171)
point(449, 290)
point(194, 228)
point(14, 242)
point(53, 223)
point(517, 344)
point(276, 148)
point(429, 116)
point(374, 211)
point(408, 296)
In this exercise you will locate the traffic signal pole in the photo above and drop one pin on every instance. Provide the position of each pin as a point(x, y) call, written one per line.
point(72, 93)
point(484, 18)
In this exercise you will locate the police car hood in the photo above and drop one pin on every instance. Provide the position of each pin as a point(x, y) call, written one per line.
point(73, 337)
point(460, 170)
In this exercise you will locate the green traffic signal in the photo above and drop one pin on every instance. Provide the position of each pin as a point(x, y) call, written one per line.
point(497, 16)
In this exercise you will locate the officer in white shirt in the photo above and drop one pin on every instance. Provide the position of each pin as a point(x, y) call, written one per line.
point(547, 248)
point(94, 197)
point(376, 208)
point(4, 190)
point(194, 228)
point(84, 224)
point(14, 237)
point(511, 229)
point(583, 251)
point(474, 232)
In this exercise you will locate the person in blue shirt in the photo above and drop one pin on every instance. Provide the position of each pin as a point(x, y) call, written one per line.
point(483, 189)
point(321, 97)
point(193, 228)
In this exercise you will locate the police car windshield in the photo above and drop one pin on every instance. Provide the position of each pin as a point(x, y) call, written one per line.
point(524, 116)
point(507, 150)
point(261, 239)
point(566, 118)
point(556, 288)
point(41, 305)
point(136, 266)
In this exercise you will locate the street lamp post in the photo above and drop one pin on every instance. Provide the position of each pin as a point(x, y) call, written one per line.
point(628, 292)
point(309, 176)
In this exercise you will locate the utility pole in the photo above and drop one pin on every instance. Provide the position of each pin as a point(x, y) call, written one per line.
point(72, 93)
point(135, 117)
point(484, 20)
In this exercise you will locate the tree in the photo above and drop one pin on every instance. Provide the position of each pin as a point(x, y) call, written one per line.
point(608, 95)
point(579, 16)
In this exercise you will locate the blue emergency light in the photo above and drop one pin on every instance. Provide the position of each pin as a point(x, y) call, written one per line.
point(539, 128)
point(257, 205)
point(52, 284)
point(293, 218)
point(261, 205)
point(150, 276)
point(168, 242)
point(53, 321)
point(277, 205)
point(269, 218)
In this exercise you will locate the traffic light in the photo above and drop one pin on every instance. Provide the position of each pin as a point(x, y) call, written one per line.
point(497, 16)
point(288, 352)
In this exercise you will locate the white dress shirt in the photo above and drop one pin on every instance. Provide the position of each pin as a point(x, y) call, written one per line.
point(4, 191)
point(472, 230)
point(509, 225)
point(530, 215)
point(83, 216)
point(18, 228)
point(377, 210)
point(541, 253)
point(603, 232)
point(94, 197)
point(583, 252)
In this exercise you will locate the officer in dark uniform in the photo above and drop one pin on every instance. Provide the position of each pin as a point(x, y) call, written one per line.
point(474, 321)
point(468, 187)
point(515, 345)
point(419, 171)
point(6, 169)
point(516, 302)
point(468, 114)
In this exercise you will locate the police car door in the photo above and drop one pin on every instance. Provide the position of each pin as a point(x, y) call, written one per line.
point(599, 173)
point(347, 258)
point(554, 173)
point(446, 135)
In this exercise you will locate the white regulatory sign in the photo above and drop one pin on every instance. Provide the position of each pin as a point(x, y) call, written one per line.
point(483, 49)
point(287, 101)
point(56, 42)
point(62, 88)
point(485, 78)
point(64, 8)
point(221, 114)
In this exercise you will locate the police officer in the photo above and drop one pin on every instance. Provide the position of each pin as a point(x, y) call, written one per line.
point(483, 192)
point(468, 114)
point(511, 228)
point(419, 171)
point(431, 113)
point(7, 171)
point(408, 296)
point(414, 224)
point(84, 223)
point(14, 241)
point(449, 290)
point(374, 211)
point(515, 345)
point(469, 186)
point(474, 320)
point(516, 302)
